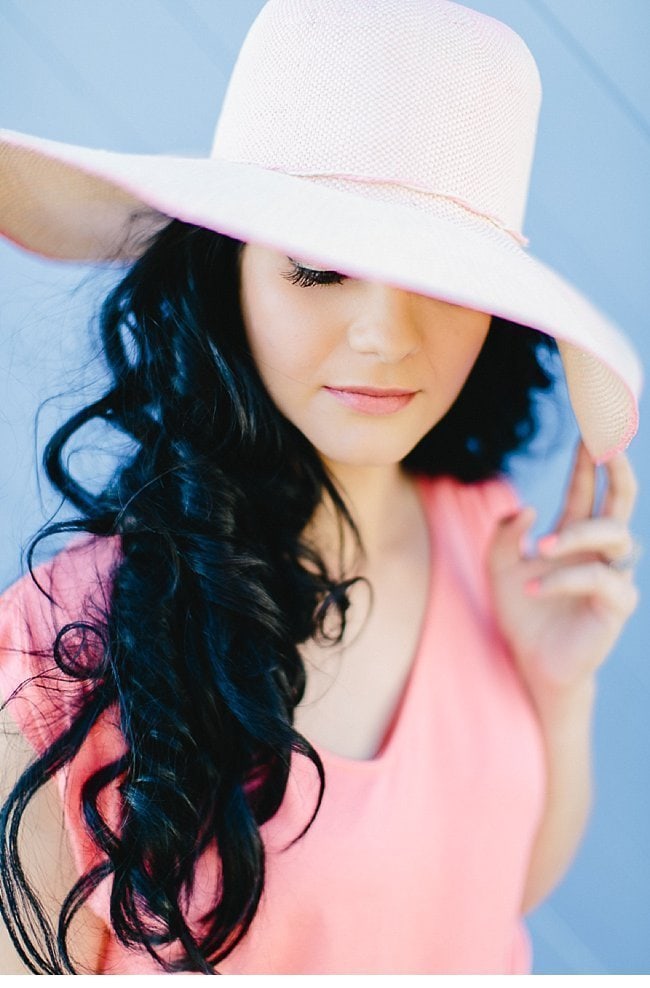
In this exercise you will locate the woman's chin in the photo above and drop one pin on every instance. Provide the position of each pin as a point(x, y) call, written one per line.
point(365, 456)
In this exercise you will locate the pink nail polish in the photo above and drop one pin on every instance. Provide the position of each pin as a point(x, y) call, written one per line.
point(547, 543)
point(532, 588)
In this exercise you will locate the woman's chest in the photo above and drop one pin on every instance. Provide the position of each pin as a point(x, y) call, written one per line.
point(353, 690)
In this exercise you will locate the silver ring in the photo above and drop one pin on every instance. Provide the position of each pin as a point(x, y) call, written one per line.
point(627, 562)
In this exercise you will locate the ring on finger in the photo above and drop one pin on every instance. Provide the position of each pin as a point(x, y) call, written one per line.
point(628, 561)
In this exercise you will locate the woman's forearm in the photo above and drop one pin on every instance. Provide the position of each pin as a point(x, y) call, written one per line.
point(566, 721)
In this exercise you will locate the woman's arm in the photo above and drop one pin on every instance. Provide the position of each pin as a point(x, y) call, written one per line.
point(566, 722)
point(561, 612)
point(47, 858)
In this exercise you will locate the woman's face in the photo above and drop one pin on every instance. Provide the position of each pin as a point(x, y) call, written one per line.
point(362, 369)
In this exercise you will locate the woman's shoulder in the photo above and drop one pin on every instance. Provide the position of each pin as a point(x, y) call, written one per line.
point(477, 504)
point(73, 587)
point(58, 587)
point(463, 519)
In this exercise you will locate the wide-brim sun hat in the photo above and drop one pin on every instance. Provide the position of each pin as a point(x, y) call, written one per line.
point(390, 140)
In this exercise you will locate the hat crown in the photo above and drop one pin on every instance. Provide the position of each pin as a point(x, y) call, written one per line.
point(420, 95)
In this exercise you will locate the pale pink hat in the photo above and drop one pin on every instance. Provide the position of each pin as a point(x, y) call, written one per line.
point(386, 139)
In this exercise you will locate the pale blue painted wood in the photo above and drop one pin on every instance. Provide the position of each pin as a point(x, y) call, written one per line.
point(603, 30)
point(149, 76)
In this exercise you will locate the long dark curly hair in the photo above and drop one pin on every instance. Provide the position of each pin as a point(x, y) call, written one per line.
point(214, 590)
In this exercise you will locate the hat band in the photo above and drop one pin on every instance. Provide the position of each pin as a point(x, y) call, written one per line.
point(333, 177)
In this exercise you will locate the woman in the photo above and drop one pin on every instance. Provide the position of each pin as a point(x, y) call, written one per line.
point(311, 702)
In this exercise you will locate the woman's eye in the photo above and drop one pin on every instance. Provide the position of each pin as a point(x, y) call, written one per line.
point(307, 277)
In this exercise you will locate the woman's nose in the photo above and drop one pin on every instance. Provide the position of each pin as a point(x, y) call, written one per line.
point(385, 324)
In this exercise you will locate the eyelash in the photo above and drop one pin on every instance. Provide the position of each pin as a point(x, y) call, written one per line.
point(308, 277)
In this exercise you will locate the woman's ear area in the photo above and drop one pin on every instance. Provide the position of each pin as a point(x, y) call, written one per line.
point(247, 253)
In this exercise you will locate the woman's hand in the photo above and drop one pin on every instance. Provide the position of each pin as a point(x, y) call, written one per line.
point(562, 610)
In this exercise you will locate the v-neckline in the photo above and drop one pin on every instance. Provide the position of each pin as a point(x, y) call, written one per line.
point(390, 740)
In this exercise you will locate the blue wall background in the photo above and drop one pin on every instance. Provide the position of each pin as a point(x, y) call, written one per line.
point(149, 76)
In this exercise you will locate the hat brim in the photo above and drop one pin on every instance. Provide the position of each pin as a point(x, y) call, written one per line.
point(79, 203)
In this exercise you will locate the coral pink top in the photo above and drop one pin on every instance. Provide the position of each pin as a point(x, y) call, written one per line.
point(417, 859)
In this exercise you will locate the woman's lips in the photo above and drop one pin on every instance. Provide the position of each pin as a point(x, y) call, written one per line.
point(372, 401)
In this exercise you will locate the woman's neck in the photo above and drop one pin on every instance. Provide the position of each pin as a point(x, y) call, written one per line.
point(382, 501)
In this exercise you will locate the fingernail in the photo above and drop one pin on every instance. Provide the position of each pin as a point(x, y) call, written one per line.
point(547, 543)
point(533, 587)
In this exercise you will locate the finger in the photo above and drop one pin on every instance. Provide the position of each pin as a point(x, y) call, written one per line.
point(509, 541)
point(606, 536)
point(621, 488)
point(587, 580)
point(579, 498)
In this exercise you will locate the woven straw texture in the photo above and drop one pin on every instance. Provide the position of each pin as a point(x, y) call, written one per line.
point(422, 94)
